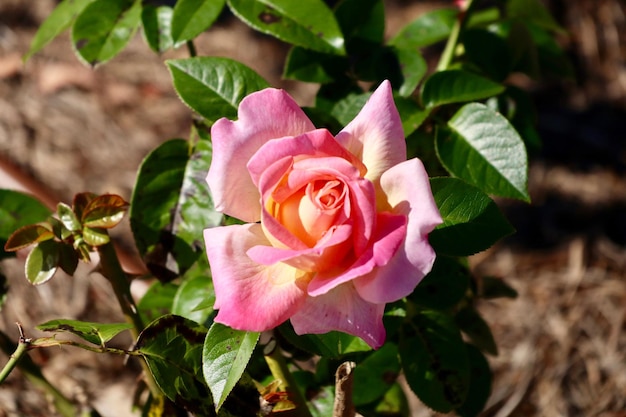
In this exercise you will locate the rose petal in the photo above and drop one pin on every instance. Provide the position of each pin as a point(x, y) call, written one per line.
point(388, 238)
point(343, 310)
point(250, 296)
point(264, 115)
point(375, 135)
point(408, 192)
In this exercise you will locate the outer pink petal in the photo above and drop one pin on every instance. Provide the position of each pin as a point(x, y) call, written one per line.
point(264, 115)
point(387, 240)
point(408, 192)
point(375, 135)
point(344, 310)
point(250, 296)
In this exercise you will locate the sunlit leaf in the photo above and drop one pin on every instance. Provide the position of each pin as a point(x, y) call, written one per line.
point(481, 147)
point(68, 217)
point(213, 86)
point(157, 23)
point(60, 19)
point(427, 29)
point(17, 210)
point(456, 86)
point(224, 358)
point(42, 262)
point(192, 295)
point(413, 67)
point(28, 235)
point(105, 211)
point(192, 17)
point(103, 29)
point(96, 333)
point(375, 375)
point(94, 236)
point(307, 23)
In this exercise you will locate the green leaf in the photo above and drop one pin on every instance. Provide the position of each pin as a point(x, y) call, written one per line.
point(157, 23)
point(490, 52)
point(42, 262)
point(394, 403)
point(80, 202)
point(213, 86)
point(474, 326)
point(192, 295)
point(361, 20)
point(444, 286)
point(60, 19)
point(26, 236)
point(456, 86)
point(171, 205)
point(331, 345)
point(411, 114)
point(68, 259)
point(472, 222)
point(307, 23)
point(172, 348)
point(413, 67)
point(482, 148)
point(16, 210)
point(157, 301)
point(427, 29)
point(491, 288)
point(68, 217)
point(435, 361)
point(480, 384)
point(225, 356)
point(192, 17)
point(347, 108)
point(95, 236)
point(104, 211)
point(104, 28)
point(96, 333)
point(533, 11)
point(311, 66)
point(376, 374)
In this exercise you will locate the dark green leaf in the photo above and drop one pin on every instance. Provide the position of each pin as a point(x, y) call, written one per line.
point(171, 205)
point(104, 211)
point(552, 59)
point(346, 109)
point(42, 261)
point(17, 210)
point(489, 52)
point(307, 23)
point(27, 235)
point(533, 11)
point(157, 301)
point(429, 28)
point(192, 295)
point(480, 384)
point(444, 286)
point(157, 24)
point(192, 17)
point(103, 28)
point(456, 86)
point(330, 345)
point(394, 403)
point(172, 348)
point(474, 326)
point(96, 333)
point(310, 66)
point(483, 149)
point(224, 358)
point(411, 114)
point(472, 222)
point(60, 19)
point(80, 202)
point(435, 361)
point(362, 20)
point(213, 86)
point(68, 259)
point(376, 374)
point(496, 288)
point(4, 289)
point(413, 67)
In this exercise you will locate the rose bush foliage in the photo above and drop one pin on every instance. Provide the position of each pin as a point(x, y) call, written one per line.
point(344, 220)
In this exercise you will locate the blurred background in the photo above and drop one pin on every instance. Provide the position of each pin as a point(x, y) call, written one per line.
point(65, 128)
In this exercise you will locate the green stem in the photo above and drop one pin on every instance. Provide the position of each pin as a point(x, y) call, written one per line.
point(278, 366)
point(14, 358)
point(453, 40)
point(112, 270)
point(192, 49)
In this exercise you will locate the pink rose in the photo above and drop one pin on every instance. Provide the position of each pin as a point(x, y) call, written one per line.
point(344, 220)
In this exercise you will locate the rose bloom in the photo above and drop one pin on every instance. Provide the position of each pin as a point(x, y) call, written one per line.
point(338, 225)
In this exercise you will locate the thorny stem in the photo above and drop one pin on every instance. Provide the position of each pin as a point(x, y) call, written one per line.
point(453, 40)
point(14, 358)
point(112, 270)
point(278, 366)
